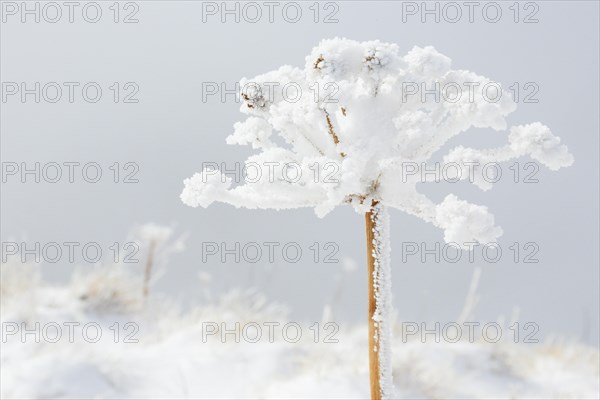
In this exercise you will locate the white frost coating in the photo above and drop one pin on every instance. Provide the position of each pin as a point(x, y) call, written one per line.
point(203, 188)
point(354, 111)
point(537, 140)
point(462, 222)
point(382, 284)
point(254, 131)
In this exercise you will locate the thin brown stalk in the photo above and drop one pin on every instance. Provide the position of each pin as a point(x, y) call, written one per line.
point(374, 333)
point(148, 269)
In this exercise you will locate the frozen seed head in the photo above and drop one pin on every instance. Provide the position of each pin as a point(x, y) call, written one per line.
point(351, 110)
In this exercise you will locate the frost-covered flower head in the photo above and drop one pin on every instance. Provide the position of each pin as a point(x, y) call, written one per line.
point(352, 111)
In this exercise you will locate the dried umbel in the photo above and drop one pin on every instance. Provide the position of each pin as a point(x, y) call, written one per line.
point(370, 126)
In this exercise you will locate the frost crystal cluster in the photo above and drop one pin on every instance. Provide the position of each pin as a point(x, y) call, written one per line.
point(351, 107)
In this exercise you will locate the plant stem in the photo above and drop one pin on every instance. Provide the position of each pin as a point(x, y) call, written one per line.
point(377, 229)
point(148, 269)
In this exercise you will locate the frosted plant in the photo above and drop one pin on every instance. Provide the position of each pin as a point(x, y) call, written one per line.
point(108, 289)
point(353, 107)
point(19, 289)
point(114, 287)
point(156, 239)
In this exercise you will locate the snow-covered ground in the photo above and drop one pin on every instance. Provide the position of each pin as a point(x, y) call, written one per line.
point(177, 356)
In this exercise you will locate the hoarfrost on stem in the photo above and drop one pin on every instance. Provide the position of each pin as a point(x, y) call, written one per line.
point(382, 285)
